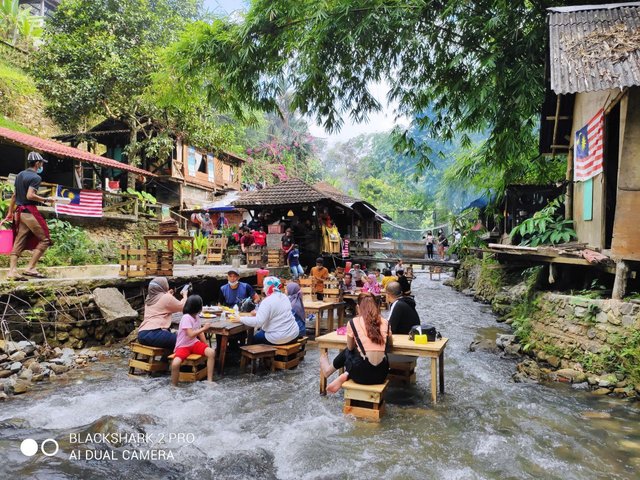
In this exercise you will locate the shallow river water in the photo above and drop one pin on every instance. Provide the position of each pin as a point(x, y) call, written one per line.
point(278, 426)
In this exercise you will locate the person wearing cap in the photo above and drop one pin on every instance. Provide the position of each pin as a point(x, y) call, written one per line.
point(235, 291)
point(30, 231)
point(319, 274)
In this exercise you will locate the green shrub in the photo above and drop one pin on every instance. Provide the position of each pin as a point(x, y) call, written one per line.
point(72, 246)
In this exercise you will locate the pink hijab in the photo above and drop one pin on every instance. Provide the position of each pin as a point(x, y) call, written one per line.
point(372, 285)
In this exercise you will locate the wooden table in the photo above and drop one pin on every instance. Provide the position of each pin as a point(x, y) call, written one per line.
point(318, 307)
point(223, 329)
point(170, 239)
point(401, 346)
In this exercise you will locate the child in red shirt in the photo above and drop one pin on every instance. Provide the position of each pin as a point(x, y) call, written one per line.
point(191, 339)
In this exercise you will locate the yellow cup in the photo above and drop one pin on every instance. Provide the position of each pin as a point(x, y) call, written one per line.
point(421, 339)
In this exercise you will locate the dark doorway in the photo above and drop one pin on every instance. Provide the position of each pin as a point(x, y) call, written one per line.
point(611, 153)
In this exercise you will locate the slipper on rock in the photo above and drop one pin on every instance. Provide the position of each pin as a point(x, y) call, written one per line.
point(34, 274)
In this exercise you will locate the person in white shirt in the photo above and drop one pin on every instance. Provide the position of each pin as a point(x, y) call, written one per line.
point(274, 316)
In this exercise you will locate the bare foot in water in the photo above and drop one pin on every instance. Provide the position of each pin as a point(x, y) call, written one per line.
point(336, 385)
point(325, 366)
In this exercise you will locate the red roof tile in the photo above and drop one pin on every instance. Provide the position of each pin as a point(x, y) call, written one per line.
point(58, 149)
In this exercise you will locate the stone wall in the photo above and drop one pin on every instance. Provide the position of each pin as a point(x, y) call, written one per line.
point(585, 338)
point(66, 313)
point(578, 324)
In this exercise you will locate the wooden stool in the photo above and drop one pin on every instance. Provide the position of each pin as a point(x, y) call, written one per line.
point(303, 347)
point(145, 358)
point(192, 368)
point(288, 356)
point(253, 353)
point(364, 401)
point(402, 372)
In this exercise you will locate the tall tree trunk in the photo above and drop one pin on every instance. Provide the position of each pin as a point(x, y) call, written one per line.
point(132, 157)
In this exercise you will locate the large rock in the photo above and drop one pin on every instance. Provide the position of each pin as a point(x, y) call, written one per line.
point(113, 305)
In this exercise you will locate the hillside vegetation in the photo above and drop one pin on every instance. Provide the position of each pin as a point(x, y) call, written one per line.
point(21, 105)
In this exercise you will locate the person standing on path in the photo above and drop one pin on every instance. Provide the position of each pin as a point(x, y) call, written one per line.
point(443, 244)
point(429, 241)
point(30, 231)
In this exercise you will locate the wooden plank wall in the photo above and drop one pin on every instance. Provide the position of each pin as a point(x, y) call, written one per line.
point(626, 241)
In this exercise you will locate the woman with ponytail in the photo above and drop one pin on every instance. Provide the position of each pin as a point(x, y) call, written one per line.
point(365, 358)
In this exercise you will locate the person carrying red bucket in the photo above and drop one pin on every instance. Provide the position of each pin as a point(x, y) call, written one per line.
point(30, 231)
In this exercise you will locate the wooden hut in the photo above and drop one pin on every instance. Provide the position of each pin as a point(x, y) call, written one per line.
point(306, 209)
point(187, 179)
point(592, 114)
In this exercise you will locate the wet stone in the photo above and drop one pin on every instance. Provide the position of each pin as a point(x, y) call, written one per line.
point(602, 391)
point(18, 356)
point(5, 373)
point(15, 367)
point(595, 415)
point(573, 376)
point(21, 386)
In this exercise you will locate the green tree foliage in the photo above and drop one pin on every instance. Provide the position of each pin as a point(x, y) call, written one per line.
point(18, 25)
point(98, 61)
point(545, 227)
point(479, 63)
point(367, 166)
point(99, 55)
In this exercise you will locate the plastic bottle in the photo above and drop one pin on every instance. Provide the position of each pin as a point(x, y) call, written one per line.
point(223, 317)
point(236, 311)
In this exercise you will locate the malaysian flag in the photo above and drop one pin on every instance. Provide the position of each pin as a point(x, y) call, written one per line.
point(83, 203)
point(588, 149)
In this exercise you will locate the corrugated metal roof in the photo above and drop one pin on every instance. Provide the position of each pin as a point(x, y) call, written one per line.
point(44, 145)
point(585, 50)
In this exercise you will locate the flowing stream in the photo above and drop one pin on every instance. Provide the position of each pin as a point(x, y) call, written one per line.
point(277, 426)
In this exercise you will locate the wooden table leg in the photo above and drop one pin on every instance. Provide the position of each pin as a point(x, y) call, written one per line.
point(318, 323)
point(223, 352)
point(341, 315)
point(441, 370)
point(330, 319)
point(434, 379)
point(323, 379)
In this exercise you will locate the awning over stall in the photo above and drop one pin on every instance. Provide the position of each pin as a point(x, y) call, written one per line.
point(43, 145)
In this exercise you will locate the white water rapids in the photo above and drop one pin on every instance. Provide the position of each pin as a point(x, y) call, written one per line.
point(278, 426)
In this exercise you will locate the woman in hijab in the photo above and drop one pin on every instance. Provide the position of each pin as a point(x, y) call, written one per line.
point(159, 305)
point(274, 317)
point(297, 307)
point(371, 285)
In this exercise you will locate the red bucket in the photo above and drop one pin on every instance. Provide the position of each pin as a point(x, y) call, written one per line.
point(6, 242)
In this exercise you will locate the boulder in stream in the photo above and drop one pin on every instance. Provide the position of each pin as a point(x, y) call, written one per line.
point(113, 305)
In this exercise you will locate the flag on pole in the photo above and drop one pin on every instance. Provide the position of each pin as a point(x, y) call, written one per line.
point(83, 203)
point(588, 149)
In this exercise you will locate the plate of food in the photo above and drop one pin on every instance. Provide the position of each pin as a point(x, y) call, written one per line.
point(207, 315)
point(212, 309)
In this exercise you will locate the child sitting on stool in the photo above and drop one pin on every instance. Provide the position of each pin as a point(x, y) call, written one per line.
point(191, 339)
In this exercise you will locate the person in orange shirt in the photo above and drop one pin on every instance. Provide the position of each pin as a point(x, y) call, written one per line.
point(319, 273)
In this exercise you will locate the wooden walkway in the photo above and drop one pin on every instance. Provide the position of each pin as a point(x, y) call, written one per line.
point(390, 251)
